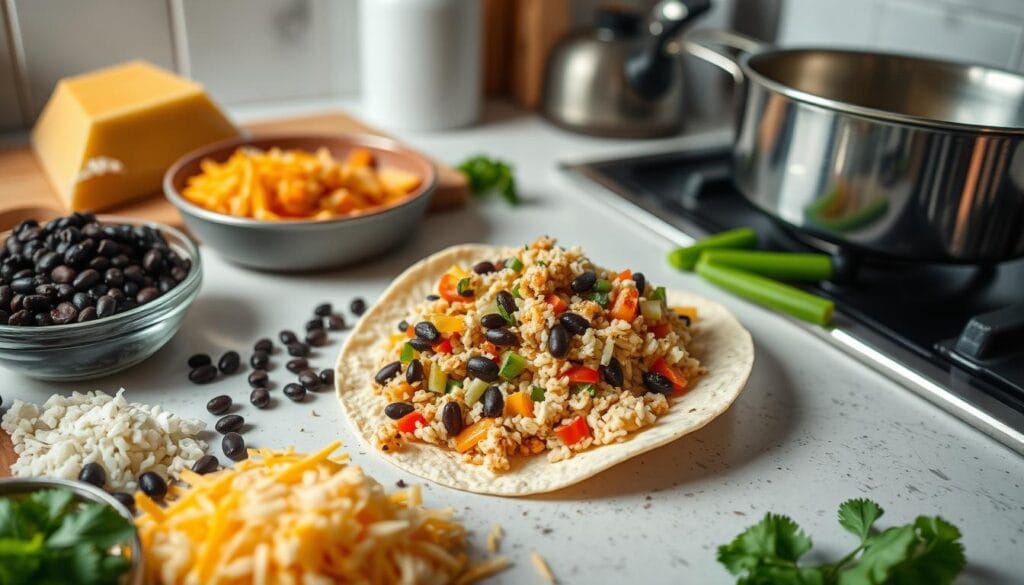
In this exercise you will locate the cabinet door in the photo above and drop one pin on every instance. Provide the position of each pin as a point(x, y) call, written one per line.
point(10, 109)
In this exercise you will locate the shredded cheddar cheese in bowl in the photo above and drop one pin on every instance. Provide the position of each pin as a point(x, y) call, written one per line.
point(285, 517)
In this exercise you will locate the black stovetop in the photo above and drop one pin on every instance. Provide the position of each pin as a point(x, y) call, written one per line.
point(921, 307)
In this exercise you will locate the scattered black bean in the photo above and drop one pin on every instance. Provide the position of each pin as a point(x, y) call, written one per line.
point(298, 349)
point(105, 306)
point(316, 337)
point(494, 402)
point(296, 365)
point(287, 337)
point(259, 360)
point(295, 392)
point(153, 485)
point(264, 345)
point(203, 374)
point(229, 424)
point(323, 310)
point(86, 279)
point(87, 314)
point(493, 321)
point(327, 377)
point(656, 382)
point(259, 379)
point(94, 474)
point(413, 372)
point(259, 397)
point(310, 380)
point(612, 373)
point(433, 297)
point(403, 325)
point(397, 410)
point(387, 372)
point(482, 368)
point(233, 446)
point(583, 282)
point(218, 405)
point(335, 322)
point(126, 500)
point(420, 344)
point(507, 301)
point(206, 464)
point(641, 283)
point(451, 417)
point(574, 323)
point(357, 306)
point(147, 294)
point(558, 341)
point(426, 330)
point(316, 323)
point(484, 267)
point(501, 337)
point(229, 362)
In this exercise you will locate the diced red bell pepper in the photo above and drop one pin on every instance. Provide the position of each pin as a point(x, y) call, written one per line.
point(448, 288)
point(626, 305)
point(583, 375)
point(557, 304)
point(573, 432)
point(679, 381)
point(660, 329)
point(409, 422)
point(492, 352)
point(443, 346)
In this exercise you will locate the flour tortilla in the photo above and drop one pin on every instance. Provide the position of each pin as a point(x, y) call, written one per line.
point(723, 346)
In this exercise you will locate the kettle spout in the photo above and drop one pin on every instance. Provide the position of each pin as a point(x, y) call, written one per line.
point(650, 70)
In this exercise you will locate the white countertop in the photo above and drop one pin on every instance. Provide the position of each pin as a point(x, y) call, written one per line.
point(813, 427)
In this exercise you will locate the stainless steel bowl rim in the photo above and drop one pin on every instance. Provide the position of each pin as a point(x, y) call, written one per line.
point(172, 297)
point(874, 114)
point(378, 142)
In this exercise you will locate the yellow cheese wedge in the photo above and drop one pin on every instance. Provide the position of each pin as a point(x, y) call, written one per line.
point(108, 136)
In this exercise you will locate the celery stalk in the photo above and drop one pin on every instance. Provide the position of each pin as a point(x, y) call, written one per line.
point(769, 293)
point(780, 265)
point(686, 258)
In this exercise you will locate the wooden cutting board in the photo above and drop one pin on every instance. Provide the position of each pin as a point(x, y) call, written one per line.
point(26, 193)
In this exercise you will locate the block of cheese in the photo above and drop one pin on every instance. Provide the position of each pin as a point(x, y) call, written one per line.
point(108, 136)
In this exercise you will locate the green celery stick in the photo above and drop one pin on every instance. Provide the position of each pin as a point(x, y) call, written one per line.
point(686, 258)
point(781, 265)
point(769, 293)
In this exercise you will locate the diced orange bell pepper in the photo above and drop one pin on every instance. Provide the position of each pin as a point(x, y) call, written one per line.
point(573, 432)
point(626, 274)
point(411, 421)
point(679, 382)
point(660, 329)
point(473, 434)
point(688, 312)
point(583, 375)
point(410, 331)
point(519, 403)
point(448, 323)
point(557, 304)
point(448, 288)
point(626, 305)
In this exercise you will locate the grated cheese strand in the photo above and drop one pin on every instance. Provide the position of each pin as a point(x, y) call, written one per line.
point(542, 567)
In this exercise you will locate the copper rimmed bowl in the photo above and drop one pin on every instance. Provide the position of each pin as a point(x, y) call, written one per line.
point(300, 245)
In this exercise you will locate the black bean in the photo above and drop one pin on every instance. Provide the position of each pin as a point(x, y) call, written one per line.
point(315, 323)
point(63, 274)
point(126, 500)
point(583, 282)
point(264, 345)
point(81, 301)
point(641, 283)
point(94, 474)
point(16, 302)
point(507, 301)
point(493, 321)
point(47, 261)
point(43, 319)
point(86, 279)
point(99, 263)
point(87, 314)
point(316, 337)
point(323, 310)
point(206, 464)
point(484, 267)
point(558, 341)
point(65, 292)
point(298, 349)
point(113, 277)
point(297, 365)
point(133, 273)
point(295, 392)
point(153, 485)
point(414, 372)
point(147, 294)
point(433, 297)
point(397, 410)
point(203, 374)
point(656, 382)
point(259, 397)
point(420, 344)
point(259, 378)
point(47, 290)
point(574, 323)
point(64, 313)
point(24, 286)
point(259, 360)
point(612, 373)
point(287, 337)
point(327, 377)
point(107, 248)
point(152, 261)
point(105, 306)
point(80, 253)
point(229, 362)
point(426, 330)
point(501, 337)
point(116, 294)
point(451, 417)
point(482, 368)
point(403, 325)
point(21, 317)
point(357, 306)
point(218, 405)
point(387, 372)
point(233, 446)
point(36, 303)
point(335, 322)
point(229, 424)
point(309, 380)
point(494, 402)
point(7, 295)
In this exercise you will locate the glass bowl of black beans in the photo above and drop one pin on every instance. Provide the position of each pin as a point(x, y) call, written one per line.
point(85, 296)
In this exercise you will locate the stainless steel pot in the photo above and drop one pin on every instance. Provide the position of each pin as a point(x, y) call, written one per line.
point(897, 156)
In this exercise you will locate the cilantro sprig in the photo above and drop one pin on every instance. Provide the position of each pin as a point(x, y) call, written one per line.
point(925, 552)
point(489, 175)
point(48, 537)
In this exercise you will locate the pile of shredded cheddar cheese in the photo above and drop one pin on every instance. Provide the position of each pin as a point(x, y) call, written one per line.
point(288, 518)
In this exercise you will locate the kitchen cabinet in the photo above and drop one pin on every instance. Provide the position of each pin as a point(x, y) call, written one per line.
point(10, 107)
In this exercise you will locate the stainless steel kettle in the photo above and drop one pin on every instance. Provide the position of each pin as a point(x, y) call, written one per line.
point(617, 79)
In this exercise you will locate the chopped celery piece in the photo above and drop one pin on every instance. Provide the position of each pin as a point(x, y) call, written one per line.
point(514, 263)
point(537, 393)
point(408, 353)
point(438, 380)
point(659, 294)
point(686, 258)
point(463, 287)
point(512, 364)
point(473, 391)
point(451, 385)
point(607, 352)
point(651, 310)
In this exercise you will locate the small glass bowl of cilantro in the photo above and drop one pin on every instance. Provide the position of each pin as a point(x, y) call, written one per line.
point(56, 531)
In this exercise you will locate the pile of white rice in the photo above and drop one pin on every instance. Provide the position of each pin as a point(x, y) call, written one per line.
point(127, 439)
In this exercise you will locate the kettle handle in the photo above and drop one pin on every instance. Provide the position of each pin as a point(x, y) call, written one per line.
point(650, 70)
point(698, 43)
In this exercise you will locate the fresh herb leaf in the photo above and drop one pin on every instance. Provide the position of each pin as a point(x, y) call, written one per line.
point(96, 524)
point(774, 539)
point(859, 516)
point(504, 315)
point(463, 287)
point(588, 388)
point(600, 298)
point(515, 291)
point(487, 175)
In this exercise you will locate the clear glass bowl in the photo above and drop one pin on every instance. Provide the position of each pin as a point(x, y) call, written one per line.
point(80, 351)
